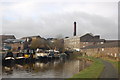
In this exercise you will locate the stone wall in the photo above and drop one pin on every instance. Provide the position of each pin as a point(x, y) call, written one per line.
point(72, 43)
point(111, 52)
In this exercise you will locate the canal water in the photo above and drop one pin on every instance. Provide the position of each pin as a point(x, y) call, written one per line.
point(45, 69)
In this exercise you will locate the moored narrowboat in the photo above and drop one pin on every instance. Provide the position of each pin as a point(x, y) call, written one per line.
point(8, 58)
point(20, 57)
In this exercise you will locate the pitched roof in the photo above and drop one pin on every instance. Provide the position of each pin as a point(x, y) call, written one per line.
point(87, 34)
point(89, 37)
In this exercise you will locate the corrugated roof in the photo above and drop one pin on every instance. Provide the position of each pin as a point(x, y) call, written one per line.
point(14, 40)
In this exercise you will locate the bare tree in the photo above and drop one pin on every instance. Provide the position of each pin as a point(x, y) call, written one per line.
point(37, 43)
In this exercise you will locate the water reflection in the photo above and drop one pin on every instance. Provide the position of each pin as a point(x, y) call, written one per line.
point(7, 70)
point(45, 69)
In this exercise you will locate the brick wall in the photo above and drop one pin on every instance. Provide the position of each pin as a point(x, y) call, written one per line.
point(15, 46)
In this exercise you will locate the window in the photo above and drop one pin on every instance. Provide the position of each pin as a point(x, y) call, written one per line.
point(102, 49)
point(83, 46)
point(115, 55)
point(111, 54)
point(74, 42)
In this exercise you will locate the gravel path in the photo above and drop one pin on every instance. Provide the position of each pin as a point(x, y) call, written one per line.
point(109, 70)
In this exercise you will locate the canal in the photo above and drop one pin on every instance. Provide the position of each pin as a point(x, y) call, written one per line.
point(57, 68)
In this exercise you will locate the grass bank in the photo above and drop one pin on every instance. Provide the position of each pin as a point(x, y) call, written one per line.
point(93, 71)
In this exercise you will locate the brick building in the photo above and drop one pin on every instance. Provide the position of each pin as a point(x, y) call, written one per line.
point(5, 37)
point(15, 44)
point(10, 42)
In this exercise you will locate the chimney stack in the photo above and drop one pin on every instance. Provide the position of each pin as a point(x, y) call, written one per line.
point(74, 28)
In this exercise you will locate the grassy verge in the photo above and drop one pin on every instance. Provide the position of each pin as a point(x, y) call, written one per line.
point(115, 63)
point(93, 71)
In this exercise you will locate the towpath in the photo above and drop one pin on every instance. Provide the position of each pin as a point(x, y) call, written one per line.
point(109, 70)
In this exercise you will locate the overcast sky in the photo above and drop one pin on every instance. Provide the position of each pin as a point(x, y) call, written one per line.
point(53, 18)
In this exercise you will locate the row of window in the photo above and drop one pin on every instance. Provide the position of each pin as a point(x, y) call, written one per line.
point(66, 40)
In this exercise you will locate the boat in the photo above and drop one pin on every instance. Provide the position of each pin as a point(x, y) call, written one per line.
point(19, 57)
point(32, 54)
point(8, 58)
point(56, 54)
point(7, 69)
point(51, 54)
point(63, 56)
point(29, 55)
point(41, 54)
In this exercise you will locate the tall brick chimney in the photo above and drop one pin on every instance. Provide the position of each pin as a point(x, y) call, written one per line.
point(74, 29)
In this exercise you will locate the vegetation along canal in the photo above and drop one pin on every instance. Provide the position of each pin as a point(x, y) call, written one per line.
point(57, 68)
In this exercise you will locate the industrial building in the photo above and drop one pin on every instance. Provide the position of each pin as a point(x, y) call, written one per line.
point(93, 45)
point(72, 43)
point(77, 42)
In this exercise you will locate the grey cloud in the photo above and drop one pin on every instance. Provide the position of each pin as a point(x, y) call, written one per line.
point(62, 24)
